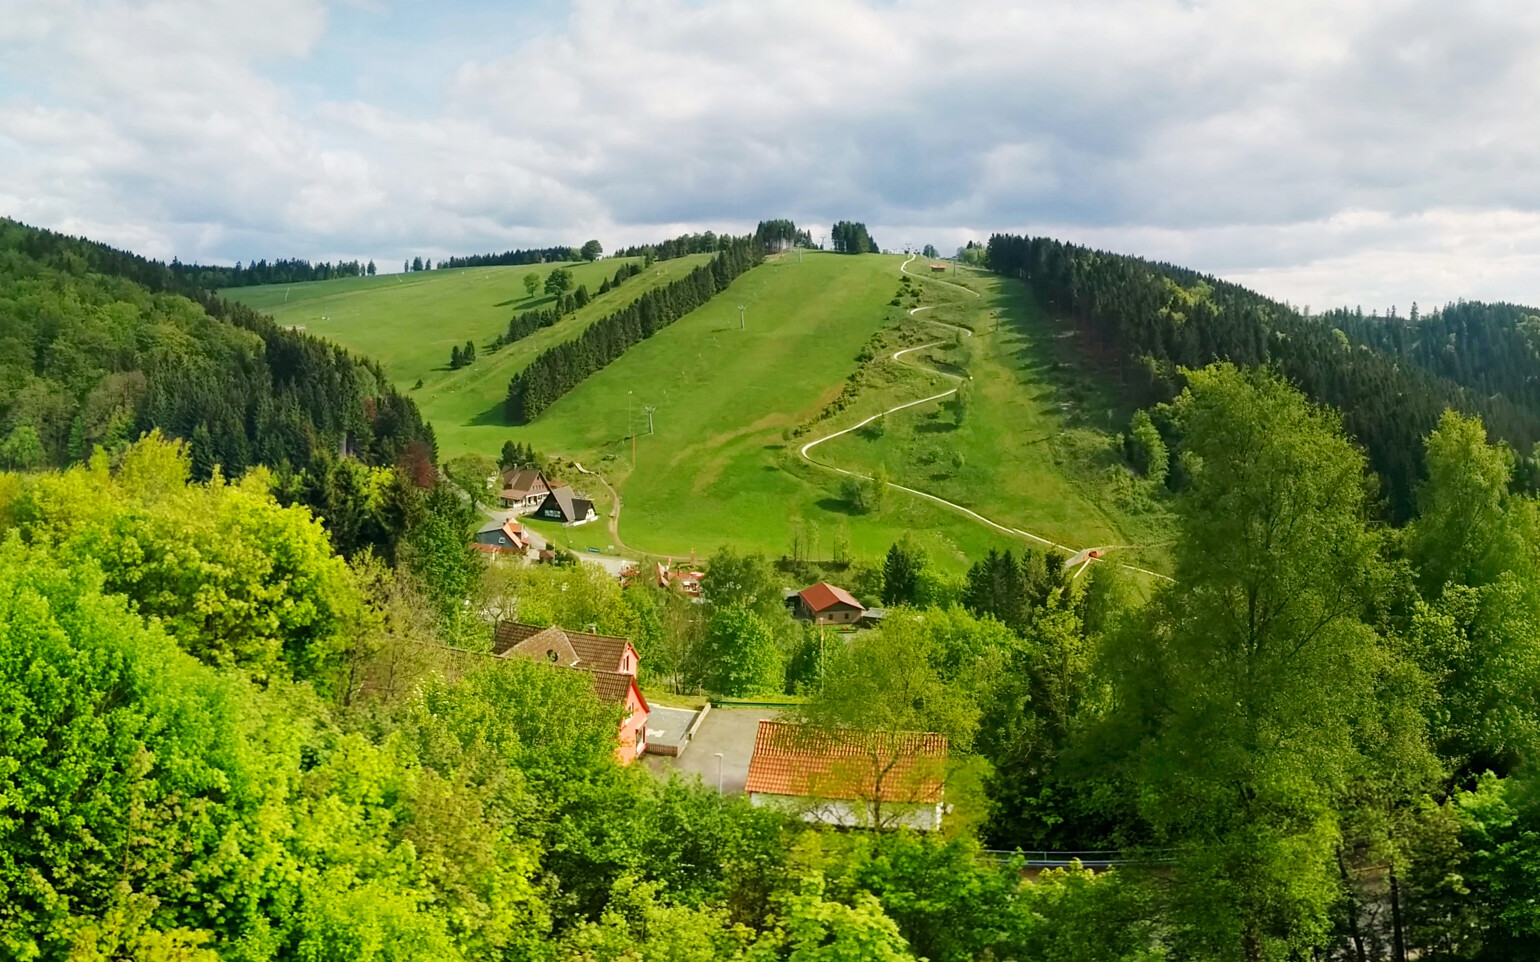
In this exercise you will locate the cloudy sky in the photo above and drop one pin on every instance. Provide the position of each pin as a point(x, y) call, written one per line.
point(1326, 152)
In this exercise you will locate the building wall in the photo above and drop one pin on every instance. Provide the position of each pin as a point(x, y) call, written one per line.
point(851, 814)
point(633, 734)
point(838, 615)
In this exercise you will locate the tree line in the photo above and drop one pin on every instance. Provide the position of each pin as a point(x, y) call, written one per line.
point(282, 271)
point(559, 369)
point(523, 325)
point(1150, 320)
point(534, 255)
point(777, 235)
point(847, 237)
point(706, 242)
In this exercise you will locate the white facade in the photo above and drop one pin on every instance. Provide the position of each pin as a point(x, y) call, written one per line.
point(853, 813)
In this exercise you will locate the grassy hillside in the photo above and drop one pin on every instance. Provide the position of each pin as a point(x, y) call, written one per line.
point(1036, 447)
point(721, 463)
point(732, 407)
point(409, 322)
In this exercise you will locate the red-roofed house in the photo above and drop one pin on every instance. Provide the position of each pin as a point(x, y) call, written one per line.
point(850, 777)
point(826, 604)
point(688, 581)
point(611, 661)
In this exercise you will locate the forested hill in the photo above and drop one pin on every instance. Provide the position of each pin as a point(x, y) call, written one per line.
point(98, 346)
point(1390, 378)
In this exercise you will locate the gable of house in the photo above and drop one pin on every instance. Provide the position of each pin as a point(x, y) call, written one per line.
point(576, 649)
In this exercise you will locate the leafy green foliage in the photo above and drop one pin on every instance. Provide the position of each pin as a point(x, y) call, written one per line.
point(233, 576)
point(741, 655)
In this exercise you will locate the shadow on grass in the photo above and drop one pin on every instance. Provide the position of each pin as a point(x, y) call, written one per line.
point(537, 302)
point(492, 416)
point(935, 427)
point(838, 506)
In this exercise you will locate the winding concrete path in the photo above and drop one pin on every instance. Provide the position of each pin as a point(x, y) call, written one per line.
point(1081, 557)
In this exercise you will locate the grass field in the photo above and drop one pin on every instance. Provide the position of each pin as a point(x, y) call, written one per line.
point(1035, 448)
point(720, 463)
point(409, 323)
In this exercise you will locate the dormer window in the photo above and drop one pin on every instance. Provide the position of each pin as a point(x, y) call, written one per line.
point(550, 655)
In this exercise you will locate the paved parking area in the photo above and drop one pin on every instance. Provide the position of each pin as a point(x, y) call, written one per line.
point(729, 731)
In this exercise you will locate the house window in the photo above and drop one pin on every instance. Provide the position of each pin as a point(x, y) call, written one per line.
point(550, 655)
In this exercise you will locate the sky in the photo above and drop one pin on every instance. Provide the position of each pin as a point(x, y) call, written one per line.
point(1323, 152)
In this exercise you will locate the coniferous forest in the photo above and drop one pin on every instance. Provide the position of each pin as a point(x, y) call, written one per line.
point(98, 347)
point(1391, 378)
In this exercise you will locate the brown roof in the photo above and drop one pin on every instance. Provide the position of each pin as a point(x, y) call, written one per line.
point(594, 652)
point(824, 595)
point(522, 482)
point(614, 686)
point(842, 763)
point(572, 508)
point(549, 644)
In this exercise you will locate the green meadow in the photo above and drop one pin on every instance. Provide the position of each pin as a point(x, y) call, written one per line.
point(410, 322)
point(716, 456)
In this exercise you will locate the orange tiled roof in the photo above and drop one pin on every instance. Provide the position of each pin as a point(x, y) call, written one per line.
point(824, 595)
point(798, 760)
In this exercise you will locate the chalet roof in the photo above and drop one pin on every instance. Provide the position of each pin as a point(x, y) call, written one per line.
point(592, 652)
point(824, 595)
point(522, 482)
point(802, 761)
point(572, 508)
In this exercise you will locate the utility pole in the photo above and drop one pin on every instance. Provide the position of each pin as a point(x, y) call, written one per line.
point(631, 430)
point(719, 773)
point(740, 317)
point(648, 409)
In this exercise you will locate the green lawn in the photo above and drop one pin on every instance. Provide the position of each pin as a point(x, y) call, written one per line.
point(409, 323)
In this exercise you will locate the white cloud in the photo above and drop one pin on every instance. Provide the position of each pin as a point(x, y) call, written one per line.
point(1325, 150)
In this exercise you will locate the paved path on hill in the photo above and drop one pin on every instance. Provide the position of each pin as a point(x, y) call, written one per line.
point(1082, 557)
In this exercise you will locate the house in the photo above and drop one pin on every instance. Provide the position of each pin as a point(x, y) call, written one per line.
point(496, 537)
point(938, 268)
point(687, 581)
point(610, 661)
point(524, 489)
point(561, 505)
point(849, 777)
point(826, 604)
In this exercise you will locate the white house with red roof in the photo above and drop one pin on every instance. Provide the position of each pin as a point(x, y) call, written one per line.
point(850, 777)
point(826, 604)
